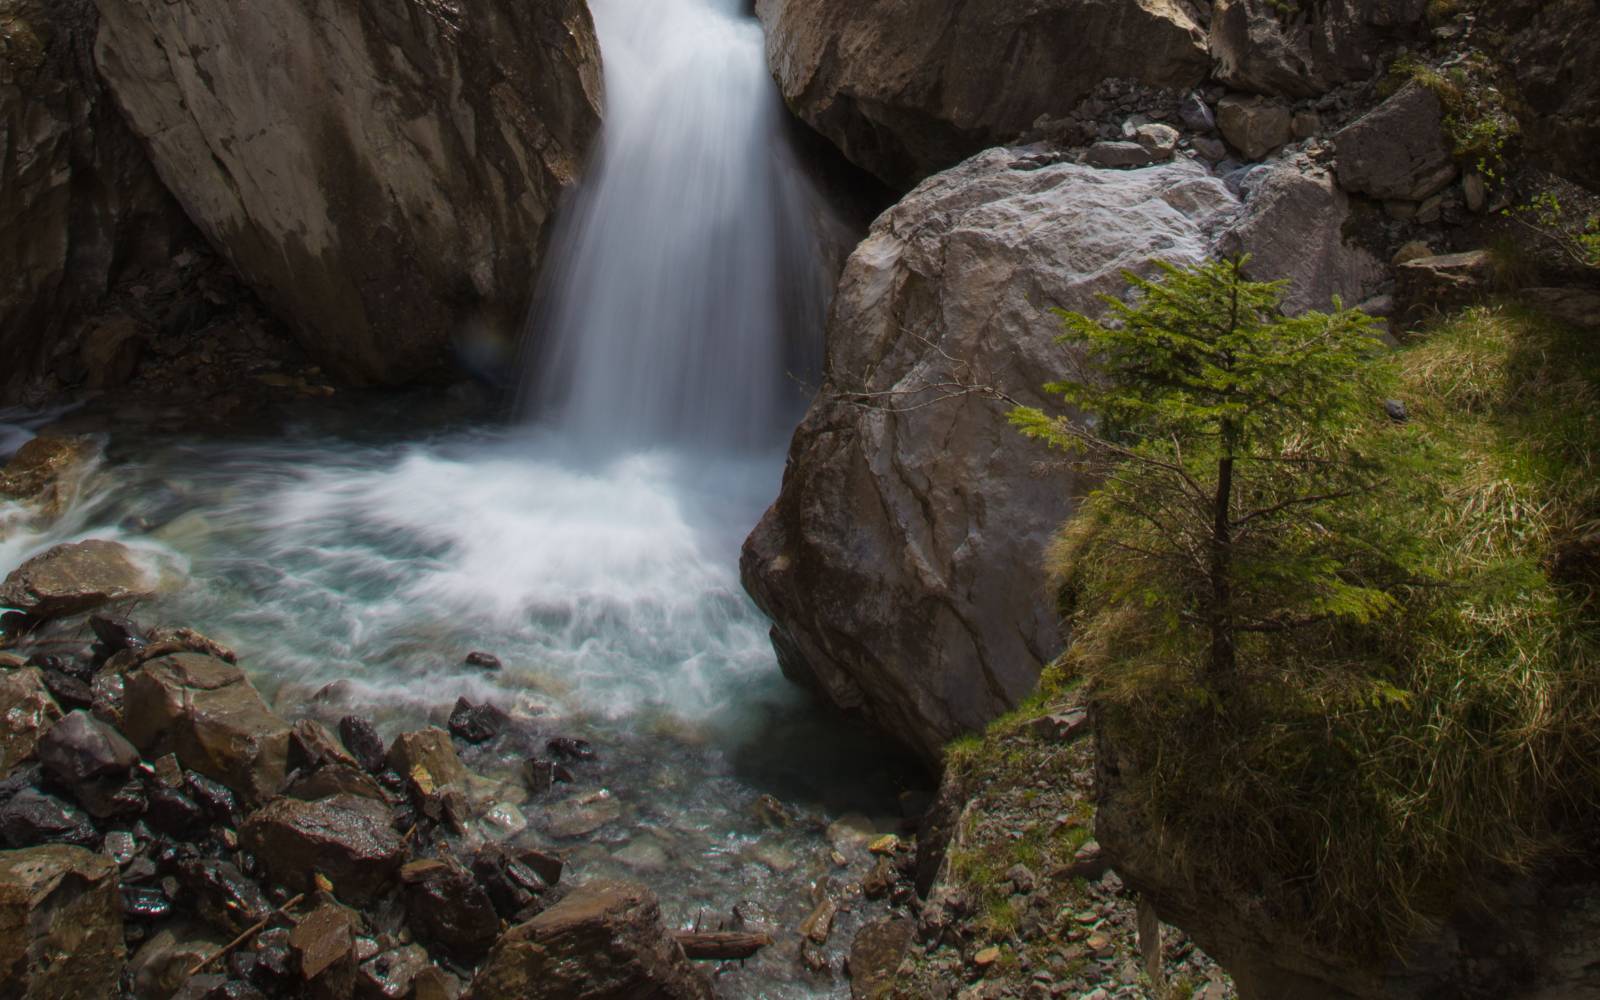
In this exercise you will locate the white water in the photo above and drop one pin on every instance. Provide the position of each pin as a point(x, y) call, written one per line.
point(683, 297)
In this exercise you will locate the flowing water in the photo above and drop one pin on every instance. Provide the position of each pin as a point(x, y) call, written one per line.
point(358, 554)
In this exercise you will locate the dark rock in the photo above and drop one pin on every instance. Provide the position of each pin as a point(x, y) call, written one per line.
point(1255, 126)
point(76, 577)
point(1118, 155)
point(604, 941)
point(1429, 286)
point(205, 711)
point(1552, 52)
point(31, 818)
point(1398, 151)
point(483, 661)
point(214, 797)
point(161, 965)
point(60, 924)
point(450, 911)
point(538, 775)
point(24, 776)
point(1396, 410)
point(346, 838)
point(548, 866)
point(323, 948)
point(117, 634)
point(200, 987)
point(81, 749)
point(361, 738)
point(570, 748)
point(475, 723)
point(274, 968)
point(1258, 47)
point(391, 974)
point(222, 895)
point(67, 690)
point(431, 750)
point(172, 812)
point(145, 903)
point(875, 954)
point(512, 885)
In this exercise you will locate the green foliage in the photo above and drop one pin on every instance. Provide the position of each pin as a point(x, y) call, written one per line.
point(1577, 236)
point(1376, 769)
point(1477, 117)
point(1222, 430)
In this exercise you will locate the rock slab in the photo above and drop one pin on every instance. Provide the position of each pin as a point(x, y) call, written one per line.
point(60, 924)
point(381, 172)
point(76, 577)
point(344, 837)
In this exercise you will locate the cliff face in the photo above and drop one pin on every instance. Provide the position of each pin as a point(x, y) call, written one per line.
point(79, 201)
point(380, 172)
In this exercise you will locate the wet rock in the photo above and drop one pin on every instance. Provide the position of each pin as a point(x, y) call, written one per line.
point(433, 983)
point(218, 801)
point(391, 974)
point(571, 748)
point(911, 89)
point(145, 903)
point(538, 775)
point(458, 128)
point(31, 818)
point(431, 751)
point(274, 968)
point(161, 965)
point(205, 711)
point(475, 723)
point(1255, 126)
point(172, 812)
point(345, 838)
point(76, 577)
point(512, 885)
point(323, 767)
point(27, 710)
point(323, 948)
point(875, 954)
point(581, 815)
point(604, 941)
point(548, 866)
point(46, 471)
point(81, 749)
point(1397, 151)
point(222, 895)
point(449, 910)
point(483, 661)
point(880, 532)
point(361, 738)
point(68, 691)
point(60, 923)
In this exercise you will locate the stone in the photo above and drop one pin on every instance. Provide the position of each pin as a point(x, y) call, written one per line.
point(581, 815)
point(876, 953)
point(1196, 114)
point(431, 751)
point(323, 950)
point(818, 925)
point(60, 924)
point(1428, 286)
point(570, 748)
point(76, 577)
point(205, 711)
point(985, 957)
point(908, 89)
point(1552, 52)
point(1118, 155)
point(1060, 727)
point(901, 563)
point(1410, 251)
point(1255, 126)
point(392, 974)
point(1474, 192)
point(31, 817)
point(1305, 124)
point(111, 351)
point(1293, 227)
point(47, 471)
point(393, 202)
point(361, 738)
point(433, 983)
point(27, 710)
point(81, 205)
point(345, 838)
point(1306, 50)
point(483, 661)
point(161, 965)
point(1160, 140)
point(81, 748)
point(450, 912)
point(1398, 150)
point(604, 941)
point(475, 723)
point(222, 895)
point(1576, 307)
point(1211, 150)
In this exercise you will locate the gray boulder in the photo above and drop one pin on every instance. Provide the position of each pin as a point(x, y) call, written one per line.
point(1305, 49)
point(381, 173)
point(1397, 151)
point(1255, 126)
point(908, 88)
point(902, 561)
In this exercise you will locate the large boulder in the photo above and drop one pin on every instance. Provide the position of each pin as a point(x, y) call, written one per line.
point(1552, 50)
point(80, 203)
point(604, 941)
point(1398, 150)
point(1304, 49)
point(60, 924)
point(908, 87)
point(46, 471)
point(205, 711)
point(346, 838)
point(27, 710)
point(902, 563)
point(77, 577)
point(381, 171)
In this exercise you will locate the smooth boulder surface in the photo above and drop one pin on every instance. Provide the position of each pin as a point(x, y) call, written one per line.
point(1396, 151)
point(908, 87)
point(46, 471)
point(1303, 50)
point(80, 204)
point(60, 924)
point(380, 171)
point(902, 561)
point(205, 711)
point(604, 941)
point(26, 711)
point(76, 577)
point(345, 837)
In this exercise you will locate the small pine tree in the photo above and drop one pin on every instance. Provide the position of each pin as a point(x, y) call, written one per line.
point(1223, 432)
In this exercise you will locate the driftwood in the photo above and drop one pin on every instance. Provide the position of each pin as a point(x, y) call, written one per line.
point(721, 946)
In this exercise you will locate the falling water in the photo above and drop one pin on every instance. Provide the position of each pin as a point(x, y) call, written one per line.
point(684, 287)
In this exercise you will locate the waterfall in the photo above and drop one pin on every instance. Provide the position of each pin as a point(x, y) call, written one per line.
point(683, 294)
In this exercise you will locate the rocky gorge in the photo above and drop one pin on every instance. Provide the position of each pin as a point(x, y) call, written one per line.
point(246, 221)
